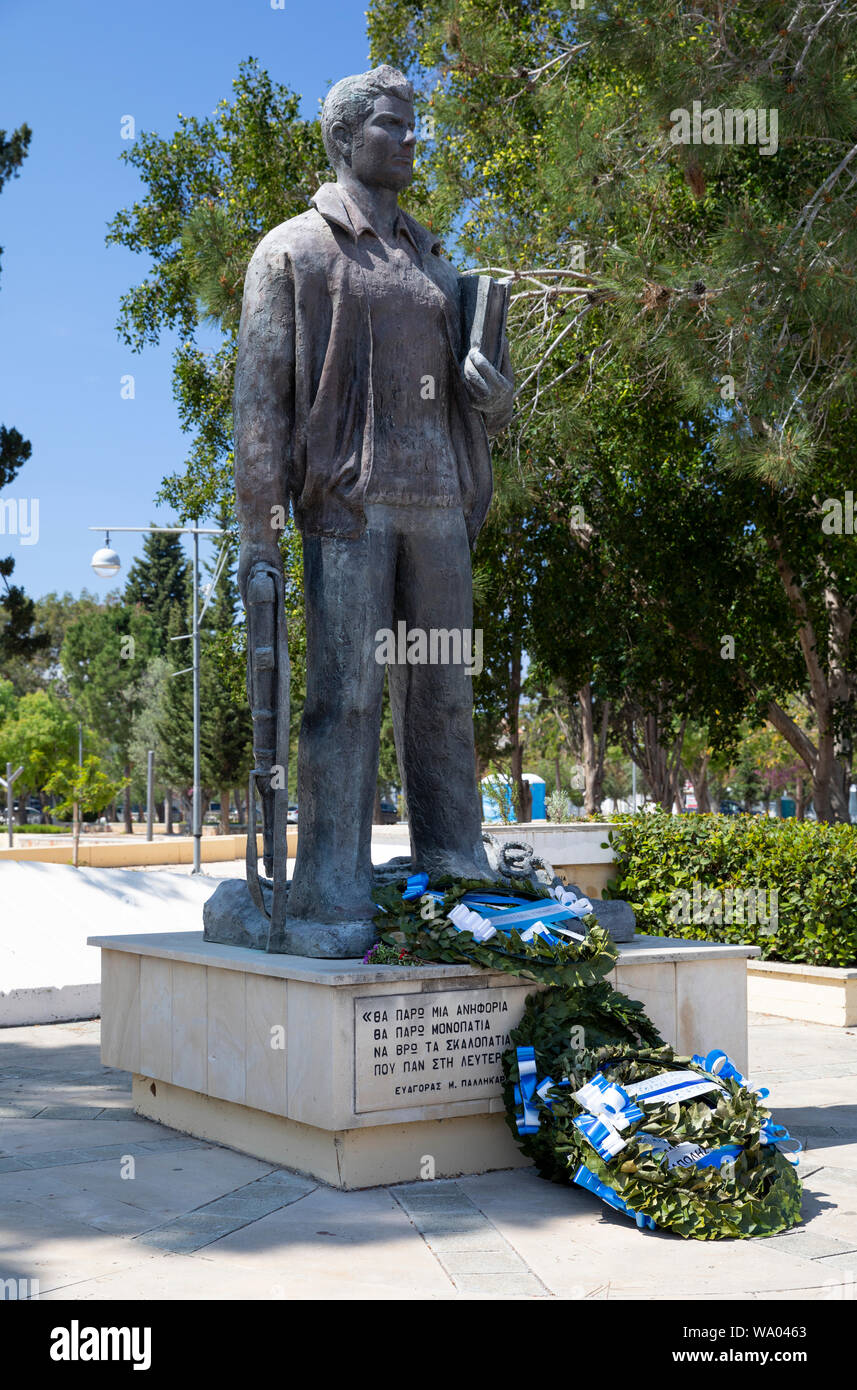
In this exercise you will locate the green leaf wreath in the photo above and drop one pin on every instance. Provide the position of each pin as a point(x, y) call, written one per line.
point(579, 1025)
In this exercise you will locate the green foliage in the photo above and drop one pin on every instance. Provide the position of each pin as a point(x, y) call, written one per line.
point(498, 789)
point(87, 785)
point(7, 699)
point(226, 727)
point(213, 188)
point(811, 867)
point(104, 655)
point(17, 612)
point(174, 721)
point(53, 615)
point(382, 954)
point(17, 619)
point(13, 152)
point(149, 719)
point(39, 731)
point(423, 927)
point(158, 580)
point(48, 829)
point(14, 452)
point(578, 1025)
point(558, 806)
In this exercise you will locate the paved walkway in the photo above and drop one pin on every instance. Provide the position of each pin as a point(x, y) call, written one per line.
point(97, 1203)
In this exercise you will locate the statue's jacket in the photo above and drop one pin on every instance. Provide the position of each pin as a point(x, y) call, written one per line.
point(303, 408)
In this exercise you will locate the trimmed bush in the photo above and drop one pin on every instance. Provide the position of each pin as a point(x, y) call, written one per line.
point(40, 829)
point(787, 886)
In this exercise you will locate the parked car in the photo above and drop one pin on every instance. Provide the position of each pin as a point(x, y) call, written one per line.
point(32, 813)
point(389, 814)
point(292, 816)
point(731, 808)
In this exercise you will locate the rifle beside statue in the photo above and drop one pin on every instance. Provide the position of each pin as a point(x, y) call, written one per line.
point(268, 674)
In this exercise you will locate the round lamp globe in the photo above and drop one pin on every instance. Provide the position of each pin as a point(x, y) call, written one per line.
point(106, 562)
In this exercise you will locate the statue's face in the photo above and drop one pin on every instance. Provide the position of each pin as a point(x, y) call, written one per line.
point(384, 157)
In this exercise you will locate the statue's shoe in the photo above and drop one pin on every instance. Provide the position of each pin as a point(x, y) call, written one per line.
point(347, 940)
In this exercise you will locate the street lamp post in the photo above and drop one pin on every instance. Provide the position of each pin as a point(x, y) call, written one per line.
point(106, 563)
point(7, 783)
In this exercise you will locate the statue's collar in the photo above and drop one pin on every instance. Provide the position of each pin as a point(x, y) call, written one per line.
point(336, 205)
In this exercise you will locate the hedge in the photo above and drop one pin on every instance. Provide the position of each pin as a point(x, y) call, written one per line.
point(692, 875)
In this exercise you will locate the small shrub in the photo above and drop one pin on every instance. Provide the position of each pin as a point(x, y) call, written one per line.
point(689, 875)
point(558, 806)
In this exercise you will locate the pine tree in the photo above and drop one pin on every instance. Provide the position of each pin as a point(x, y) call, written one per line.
point(17, 612)
point(158, 580)
point(175, 741)
point(104, 655)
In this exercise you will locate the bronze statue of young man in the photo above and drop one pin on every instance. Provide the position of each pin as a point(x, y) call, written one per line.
point(357, 401)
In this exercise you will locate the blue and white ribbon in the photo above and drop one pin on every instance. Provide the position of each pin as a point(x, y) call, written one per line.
point(529, 1087)
point(539, 929)
point(584, 1177)
point(528, 1121)
point(415, 887)
point(779, 1136)
point(716, 1063)
point(523, 914)
point(603, 1138)
point(576, 907)
point(545, 1087)
point(608, 1110)
point(505, 911)
point(687, 1154)
point(670, 1086)
point(465, 919)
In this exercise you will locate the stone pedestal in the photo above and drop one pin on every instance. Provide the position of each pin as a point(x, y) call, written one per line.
point(363, 1075)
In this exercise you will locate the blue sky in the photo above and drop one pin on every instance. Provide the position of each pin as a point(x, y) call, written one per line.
point(72, 71)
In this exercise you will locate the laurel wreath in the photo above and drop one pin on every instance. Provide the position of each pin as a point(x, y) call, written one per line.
point(578, 1024)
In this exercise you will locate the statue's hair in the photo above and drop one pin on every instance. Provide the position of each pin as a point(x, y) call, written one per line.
point(351, 100)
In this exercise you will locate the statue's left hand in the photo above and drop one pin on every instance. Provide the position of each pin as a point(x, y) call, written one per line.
point(488, 389)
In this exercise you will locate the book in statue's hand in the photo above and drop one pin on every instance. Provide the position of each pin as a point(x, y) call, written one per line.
point(484, 304)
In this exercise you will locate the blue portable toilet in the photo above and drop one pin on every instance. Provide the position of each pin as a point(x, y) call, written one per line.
point(538, 787)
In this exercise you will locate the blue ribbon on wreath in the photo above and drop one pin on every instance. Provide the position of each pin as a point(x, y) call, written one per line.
point(609, 1109)
point(484, 914)
point(584, 1177)
point(528, 1120)
point(529, 1087)
point(717, 1063)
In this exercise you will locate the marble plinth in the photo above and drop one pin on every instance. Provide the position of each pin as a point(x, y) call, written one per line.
point(362, 1075)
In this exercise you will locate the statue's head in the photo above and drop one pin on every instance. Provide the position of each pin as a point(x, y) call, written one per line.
point(367, 124)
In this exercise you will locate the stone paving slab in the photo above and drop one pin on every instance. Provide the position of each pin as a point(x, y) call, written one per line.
point(471, 1250)
point(196, 1229)
point(342, 1245)
point(99, 1153)
point(164, 1187)
point(810, 1245)
point(200, 1221)
point(24, 1134)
